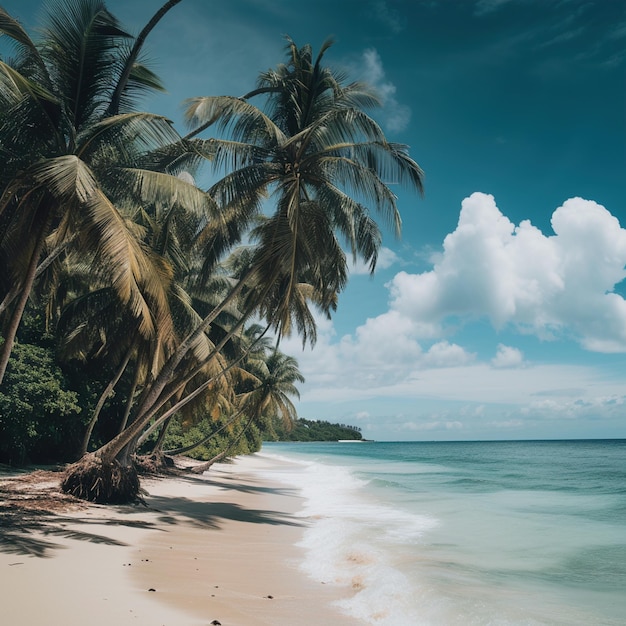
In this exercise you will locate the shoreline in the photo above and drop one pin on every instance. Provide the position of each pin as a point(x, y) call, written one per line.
point(217, 547)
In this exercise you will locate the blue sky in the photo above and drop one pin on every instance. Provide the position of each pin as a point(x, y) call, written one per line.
point(500, 312)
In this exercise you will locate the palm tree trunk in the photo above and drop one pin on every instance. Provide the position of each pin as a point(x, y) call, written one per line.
point(197, 444)
point(27, 285)
point(41, 268)
point(158, 446)
point(105, 394)
point(111, 449)
point(129, 401)
point(199, 469)
point(132, 435)
point(168, 370)
point(198, 390)
point(108, 475)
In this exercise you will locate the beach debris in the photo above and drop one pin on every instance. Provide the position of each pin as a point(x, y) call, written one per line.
point(270, 597)
point(216, 623)
point(151, 589)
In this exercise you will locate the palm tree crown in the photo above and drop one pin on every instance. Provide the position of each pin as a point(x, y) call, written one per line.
point(323, 163)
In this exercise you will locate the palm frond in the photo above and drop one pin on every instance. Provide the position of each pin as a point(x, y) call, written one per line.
point(65, 177)
point(10, 27)
point(242, 119)
point(169, 191)
point(14, 86)
point(127, 136)
point(128, 268)
point(80, 43)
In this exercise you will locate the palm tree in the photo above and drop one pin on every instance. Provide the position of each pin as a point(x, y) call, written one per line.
point(316, 167)
point(72, 168)
point(323, 163)
point(275, 381)
point(252, 351)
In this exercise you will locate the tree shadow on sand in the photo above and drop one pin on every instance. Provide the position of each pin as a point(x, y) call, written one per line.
point(209, 515)
point(228, 482)
point(34, 512)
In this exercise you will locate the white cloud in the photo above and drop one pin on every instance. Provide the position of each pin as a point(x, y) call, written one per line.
point(417, 426)
point(605, 406)
point(512, 423)
point(402, 371)
point(507, 357)
point(397, 116)
point(383, 342)
point(386, 15)
point(444, 354)
point(546, 285)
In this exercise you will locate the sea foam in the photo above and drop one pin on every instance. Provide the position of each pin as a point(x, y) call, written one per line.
point(351, 541)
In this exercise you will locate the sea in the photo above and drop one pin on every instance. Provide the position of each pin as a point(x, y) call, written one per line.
point(496, 533)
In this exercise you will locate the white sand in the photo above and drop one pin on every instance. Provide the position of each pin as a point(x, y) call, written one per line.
point(214, 547)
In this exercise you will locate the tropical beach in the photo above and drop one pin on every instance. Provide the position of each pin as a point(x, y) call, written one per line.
point(383, 533)
point(232, 394)
point(199, 550)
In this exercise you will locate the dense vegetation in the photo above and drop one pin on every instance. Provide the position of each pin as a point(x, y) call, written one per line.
point(314, 430)
point(140, 313)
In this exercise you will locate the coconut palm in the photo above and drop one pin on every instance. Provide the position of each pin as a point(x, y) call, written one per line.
point(253, 348)
point(322, 162)
point(268, 398)
point(71, 169)
point(320, 165)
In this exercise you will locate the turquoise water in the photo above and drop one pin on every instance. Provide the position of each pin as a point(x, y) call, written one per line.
point(467, 533)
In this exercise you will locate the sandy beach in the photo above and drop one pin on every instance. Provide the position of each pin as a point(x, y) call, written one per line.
point(218, 548)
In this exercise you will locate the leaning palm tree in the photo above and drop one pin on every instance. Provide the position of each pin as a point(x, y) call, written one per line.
point(253, 350)
point(324, 164)
point(268, 398)
point(72, 165)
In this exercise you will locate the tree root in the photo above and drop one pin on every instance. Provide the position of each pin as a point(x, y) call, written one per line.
point(104, 483)
point(154, 464)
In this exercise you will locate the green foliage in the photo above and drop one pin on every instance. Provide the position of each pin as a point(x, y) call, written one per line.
point(38, 414)
point(313, 430)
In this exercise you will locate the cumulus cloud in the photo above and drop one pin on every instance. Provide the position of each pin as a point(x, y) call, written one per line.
point(397, 115)
point(507, 357)
point(444, 354)
point(547, 285)
point(395, 368)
